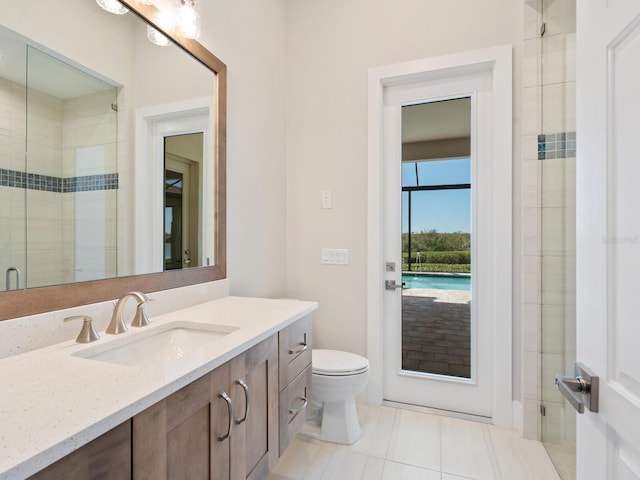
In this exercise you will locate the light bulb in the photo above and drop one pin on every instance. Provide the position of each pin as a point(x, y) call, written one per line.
point(112, 6)
point(156, 37)
point(188, 23)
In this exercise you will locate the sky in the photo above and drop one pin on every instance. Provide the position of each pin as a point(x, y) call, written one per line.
point(444, 210)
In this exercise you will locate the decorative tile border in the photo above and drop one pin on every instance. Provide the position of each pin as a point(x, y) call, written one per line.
point(90, 183)
point(34, 181)
point(557, 145)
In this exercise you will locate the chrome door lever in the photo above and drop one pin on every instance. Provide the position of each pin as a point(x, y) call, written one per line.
point(582, 390)
point(391, 285)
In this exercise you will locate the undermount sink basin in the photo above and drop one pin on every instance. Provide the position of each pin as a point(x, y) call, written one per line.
point(171, 347)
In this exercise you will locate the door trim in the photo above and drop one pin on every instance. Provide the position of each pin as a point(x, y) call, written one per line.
point(152, 125)
point(498, 61)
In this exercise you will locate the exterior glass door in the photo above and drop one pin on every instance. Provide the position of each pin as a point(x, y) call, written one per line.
point(436, 270)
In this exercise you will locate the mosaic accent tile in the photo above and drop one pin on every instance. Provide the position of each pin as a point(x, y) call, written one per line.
point(556, 145)
point(47, 183)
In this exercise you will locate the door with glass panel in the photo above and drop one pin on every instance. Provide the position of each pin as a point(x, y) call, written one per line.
point(436, 342)
point(183, 156)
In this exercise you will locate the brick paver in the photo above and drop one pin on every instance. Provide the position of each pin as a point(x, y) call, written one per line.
point(436, 331)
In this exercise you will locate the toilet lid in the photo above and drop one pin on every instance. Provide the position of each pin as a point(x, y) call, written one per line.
point(335, 362)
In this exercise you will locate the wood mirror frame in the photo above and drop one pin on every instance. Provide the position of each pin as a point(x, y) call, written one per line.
point(20, 303)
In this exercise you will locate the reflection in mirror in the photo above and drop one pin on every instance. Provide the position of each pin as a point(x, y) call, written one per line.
point(82, 171)
point(59, 176)
point(73, 208)
point(183, 157)
point(71, 173)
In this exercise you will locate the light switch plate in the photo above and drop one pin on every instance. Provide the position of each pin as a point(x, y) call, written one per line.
point(325, 199)
point(335, 256)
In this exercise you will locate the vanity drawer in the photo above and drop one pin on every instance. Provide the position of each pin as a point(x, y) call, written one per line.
point(294, 345)
point(295, 402)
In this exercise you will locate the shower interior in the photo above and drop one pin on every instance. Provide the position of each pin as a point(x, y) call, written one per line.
point(556, 215)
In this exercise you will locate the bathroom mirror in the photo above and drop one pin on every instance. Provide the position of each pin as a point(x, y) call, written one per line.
point(112, 179)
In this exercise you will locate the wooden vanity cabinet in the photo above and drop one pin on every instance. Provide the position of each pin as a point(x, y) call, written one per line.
point(176, 438)
point(108, 457)
point(191, 435)
point(188, 435)
point(254, 439)
point(294, 360)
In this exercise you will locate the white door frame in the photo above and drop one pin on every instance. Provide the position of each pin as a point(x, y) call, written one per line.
point(498, 61)
point(152, 125)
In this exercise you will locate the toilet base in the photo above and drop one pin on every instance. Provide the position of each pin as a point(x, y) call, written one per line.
point(335, 422)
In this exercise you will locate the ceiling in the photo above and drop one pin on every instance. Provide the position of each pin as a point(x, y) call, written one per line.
point(45, 73)
point(439, 120)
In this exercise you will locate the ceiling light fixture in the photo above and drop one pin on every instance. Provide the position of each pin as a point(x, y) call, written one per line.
point(112, 6)
point(156, 37)
point(174, 16)
point(189, 20)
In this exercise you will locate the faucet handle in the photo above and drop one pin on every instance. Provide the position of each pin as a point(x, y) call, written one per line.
point(88, 333)
point(140, 319)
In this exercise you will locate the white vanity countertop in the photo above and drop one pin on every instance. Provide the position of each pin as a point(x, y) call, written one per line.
point(52, 402)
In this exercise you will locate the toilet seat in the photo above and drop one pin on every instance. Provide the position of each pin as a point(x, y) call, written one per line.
point(337, 363)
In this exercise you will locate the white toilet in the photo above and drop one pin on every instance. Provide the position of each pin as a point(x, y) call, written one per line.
point(337, 377)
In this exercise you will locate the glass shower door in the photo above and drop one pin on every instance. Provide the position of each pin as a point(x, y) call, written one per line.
point(557, 298)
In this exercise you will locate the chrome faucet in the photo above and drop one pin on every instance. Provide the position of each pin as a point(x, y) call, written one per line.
point(117, 324)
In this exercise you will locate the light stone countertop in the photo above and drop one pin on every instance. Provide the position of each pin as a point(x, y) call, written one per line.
point(52, 402)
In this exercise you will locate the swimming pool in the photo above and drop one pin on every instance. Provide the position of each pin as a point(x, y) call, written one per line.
point(440, 282)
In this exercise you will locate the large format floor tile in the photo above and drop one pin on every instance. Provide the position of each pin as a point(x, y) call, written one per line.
point(466, 449)
point(400, 444)
point(415, 440)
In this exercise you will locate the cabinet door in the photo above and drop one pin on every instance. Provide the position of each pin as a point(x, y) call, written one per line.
point(254, 441)
point(108, 457)
point(178, 437)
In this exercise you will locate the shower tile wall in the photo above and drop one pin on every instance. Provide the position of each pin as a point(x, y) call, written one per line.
point(89, 215)
point(548, 226)
point(55, 184)
point(44, 207)
point(12, 158)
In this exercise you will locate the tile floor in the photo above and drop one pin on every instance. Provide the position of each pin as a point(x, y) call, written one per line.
point(399, 444)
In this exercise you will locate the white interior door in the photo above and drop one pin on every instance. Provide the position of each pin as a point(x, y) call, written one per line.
point(608, 235)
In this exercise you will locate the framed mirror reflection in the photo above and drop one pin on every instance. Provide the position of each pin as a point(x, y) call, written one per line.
point(96, 120)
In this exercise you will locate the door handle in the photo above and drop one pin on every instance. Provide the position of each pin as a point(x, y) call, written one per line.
point(391, 285)
point(582, 390)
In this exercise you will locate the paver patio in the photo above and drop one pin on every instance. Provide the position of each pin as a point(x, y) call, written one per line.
point(436, 331)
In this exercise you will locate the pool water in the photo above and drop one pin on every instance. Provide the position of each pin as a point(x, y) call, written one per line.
point(440, 282)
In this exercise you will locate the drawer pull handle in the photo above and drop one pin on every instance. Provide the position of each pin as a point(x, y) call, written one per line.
point(223, 395)
point(300, 408)
point(299, 350)
point(245, 387)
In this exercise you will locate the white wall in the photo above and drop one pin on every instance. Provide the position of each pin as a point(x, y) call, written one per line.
point(331, 44)
point(249, 37)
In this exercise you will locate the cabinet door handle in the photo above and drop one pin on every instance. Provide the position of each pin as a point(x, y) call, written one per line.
point(223, 395)
point(299, 350)
point(300, 408)
point(245, 387)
